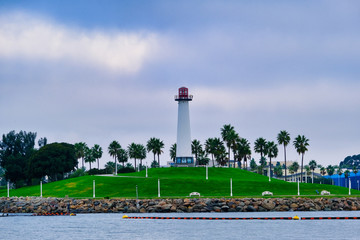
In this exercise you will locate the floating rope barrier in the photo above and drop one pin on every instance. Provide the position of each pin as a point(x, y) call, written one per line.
point(245, 218)
point(54, 214)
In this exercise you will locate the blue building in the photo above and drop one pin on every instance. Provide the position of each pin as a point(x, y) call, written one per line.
point(344, 182)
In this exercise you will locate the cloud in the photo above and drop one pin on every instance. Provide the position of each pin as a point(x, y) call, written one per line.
point(23, 36)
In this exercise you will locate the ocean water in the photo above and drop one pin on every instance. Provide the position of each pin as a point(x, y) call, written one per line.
point(112, 226)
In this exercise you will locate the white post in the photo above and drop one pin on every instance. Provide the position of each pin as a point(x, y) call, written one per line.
point(269, 174)
point(349, 186)
point(231, 187)
point(312, 178)
point(158, 187)
point(146, 172)
point(206, 172)
point(298, 188)
point(8, 189)
point(93, 188)
point(305, 177)
point(115, 167)
point(40, 188)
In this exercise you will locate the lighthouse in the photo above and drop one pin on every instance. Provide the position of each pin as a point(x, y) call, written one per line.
point(183, 142)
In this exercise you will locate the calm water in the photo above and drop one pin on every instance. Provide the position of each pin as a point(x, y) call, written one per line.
point(112, 226)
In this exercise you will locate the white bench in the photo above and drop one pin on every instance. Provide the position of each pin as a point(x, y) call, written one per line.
point(324, 192)
point(194, 194)
point(267, 193)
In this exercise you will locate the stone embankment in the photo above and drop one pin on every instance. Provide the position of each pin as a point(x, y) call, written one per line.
point(64, 205)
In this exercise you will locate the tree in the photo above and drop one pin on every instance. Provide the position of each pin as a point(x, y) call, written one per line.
point(155, 145)
point(283, 138)
point(278, 171)
point(294, 167)
point(137, 151)
point(122, 156)
point(243, 151)
point(301, 143)
point(202, 158)
point(173, 152)
point(110, 167)
point(113, 150)
point(42, 142)
point(97, 152)
point(53, 160)
point(210, 148)
point(80, 151)
point(151, 146)
point(330, 170)
point(253, 165)
point(260, 146)
point(312, 165)
point(355, 170)
point(219, 152)
point(229, 135)
point(196, 149)
point(15, 152)
point(323, 171)
point(262, 164)
point(271, 152)
point(89, 156)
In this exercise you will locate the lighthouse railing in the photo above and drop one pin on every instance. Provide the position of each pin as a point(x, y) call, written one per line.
point(177, 97)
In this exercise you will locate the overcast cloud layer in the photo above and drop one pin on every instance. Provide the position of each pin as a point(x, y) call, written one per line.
point(110, 72)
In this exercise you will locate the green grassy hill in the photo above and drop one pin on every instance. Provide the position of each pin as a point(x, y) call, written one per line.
point(176, 182)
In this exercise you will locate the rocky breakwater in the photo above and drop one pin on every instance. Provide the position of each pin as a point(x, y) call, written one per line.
point(64, 205)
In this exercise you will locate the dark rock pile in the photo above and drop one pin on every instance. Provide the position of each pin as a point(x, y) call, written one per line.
point(64, 205)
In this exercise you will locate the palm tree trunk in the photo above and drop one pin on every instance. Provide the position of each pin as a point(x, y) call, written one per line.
point(90, 165)
point(135, 164)
point(154, 156)
point(229, 156)
point(98, 163)
point(212, 158)
point(270, 169)
point(285, 162)
point(158, 160)
point(123, 164)
point(115, 166)
point(82, 162)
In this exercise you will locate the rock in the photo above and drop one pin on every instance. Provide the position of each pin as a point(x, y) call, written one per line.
point(250, 209)
point(268, 204)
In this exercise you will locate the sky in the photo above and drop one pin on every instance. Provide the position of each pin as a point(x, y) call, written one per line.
point(97, 71)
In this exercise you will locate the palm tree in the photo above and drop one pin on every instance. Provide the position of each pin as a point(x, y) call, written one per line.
point(122, 156)
point(97, 151)
point(151, 146)
point(260, 146)
point(301, 143)
point(80, 151)
point(294, 167)
point(196, 149)
point(243, 151)
point(323, 171)
point(339, 172)
point(113, 150)
point(229, 135)
point(284, 139)
point(271, 152)
point(330, 170)
point(173, 152)
point(159, 146)
point(346, 174)
point(219, 152)
point(89, 156)
point(210, 148)
point(312, 165)
point(355, 170)
point(137, 151)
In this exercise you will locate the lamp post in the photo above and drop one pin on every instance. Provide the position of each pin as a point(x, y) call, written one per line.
point(40, 188)
point(158, 187)
point(206, 172)
point(298, 188)
point(146, 172)
point(231, 194)
point(93, 188)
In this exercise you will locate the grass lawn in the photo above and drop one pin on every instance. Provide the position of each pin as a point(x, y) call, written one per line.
point(176, 182)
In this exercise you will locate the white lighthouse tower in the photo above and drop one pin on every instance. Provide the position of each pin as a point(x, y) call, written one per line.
point(183, 143)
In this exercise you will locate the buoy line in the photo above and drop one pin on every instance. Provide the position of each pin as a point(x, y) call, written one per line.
point(244, 218)
point(54, 214)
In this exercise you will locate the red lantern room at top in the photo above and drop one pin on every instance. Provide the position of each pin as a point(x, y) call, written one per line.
point(183, 95)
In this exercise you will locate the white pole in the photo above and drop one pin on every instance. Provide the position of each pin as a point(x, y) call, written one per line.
point(305, 177)
point(93, 188)
point(231, 187)
point(312, 179)
point(349, 186)
point(207, 172)
point(40, 188)
point(146, 172)
point(269, 174)
point(8, 189)
point(298, 188)
point(158, 187)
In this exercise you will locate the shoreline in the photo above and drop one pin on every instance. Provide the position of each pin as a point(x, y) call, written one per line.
point(71, 205)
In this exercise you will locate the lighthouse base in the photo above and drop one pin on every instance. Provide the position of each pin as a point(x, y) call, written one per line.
point(184, 161)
